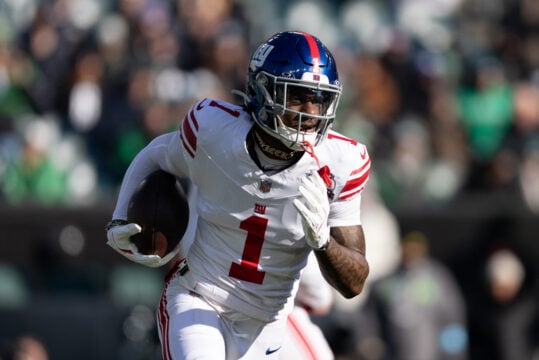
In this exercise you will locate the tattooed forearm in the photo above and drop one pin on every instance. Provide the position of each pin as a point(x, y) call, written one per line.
point(343, 263)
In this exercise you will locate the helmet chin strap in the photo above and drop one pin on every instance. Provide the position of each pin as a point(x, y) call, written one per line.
point(270, 150)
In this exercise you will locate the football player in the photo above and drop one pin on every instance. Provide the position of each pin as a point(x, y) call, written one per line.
point(274, 183)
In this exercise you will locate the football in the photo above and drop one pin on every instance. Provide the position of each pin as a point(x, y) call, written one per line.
point(159, 205)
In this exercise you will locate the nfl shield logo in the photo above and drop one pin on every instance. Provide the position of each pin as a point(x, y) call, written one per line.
point(265, 186)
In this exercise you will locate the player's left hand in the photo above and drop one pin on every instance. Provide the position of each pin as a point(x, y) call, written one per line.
point(313, 206)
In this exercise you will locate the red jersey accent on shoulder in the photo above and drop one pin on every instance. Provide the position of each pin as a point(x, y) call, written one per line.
point(188, 133)
point(194, 120)
point(363, 153)
point(360, 170)
point(338, 137)
point(230, 111)
point(356, 182)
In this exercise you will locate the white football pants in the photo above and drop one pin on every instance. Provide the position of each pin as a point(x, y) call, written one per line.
point(190, 328)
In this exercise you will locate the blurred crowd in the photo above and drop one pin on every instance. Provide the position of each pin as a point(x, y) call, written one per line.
point(444, 92)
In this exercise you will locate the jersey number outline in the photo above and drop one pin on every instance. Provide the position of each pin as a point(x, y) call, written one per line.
point(247, 269)
point(226, 109)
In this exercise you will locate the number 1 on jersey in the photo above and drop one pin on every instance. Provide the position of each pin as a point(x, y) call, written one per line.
point(247, 269)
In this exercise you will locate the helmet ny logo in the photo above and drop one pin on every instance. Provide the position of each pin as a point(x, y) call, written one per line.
point(260, 56)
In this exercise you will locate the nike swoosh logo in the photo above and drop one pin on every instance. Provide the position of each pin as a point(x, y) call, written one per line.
point(270, 351)
point(363, 153)
point(199, 105)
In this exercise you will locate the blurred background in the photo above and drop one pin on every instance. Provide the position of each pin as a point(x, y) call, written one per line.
point(445, 94)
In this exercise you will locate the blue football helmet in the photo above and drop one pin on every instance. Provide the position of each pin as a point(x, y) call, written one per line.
point(291, 67)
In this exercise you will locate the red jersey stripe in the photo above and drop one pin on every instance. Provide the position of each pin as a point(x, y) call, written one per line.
point(354, 183)
point(188, 130)
point(349, 195)
point(357, 181)
point(357, 171)
point(163, 316)
point(186, 146)
point(188, 136)
point(164, 322)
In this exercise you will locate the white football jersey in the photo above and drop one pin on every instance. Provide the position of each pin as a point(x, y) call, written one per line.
point(249, 241)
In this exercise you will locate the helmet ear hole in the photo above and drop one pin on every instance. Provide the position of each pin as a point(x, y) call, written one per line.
point(261, 96)
point(262, 79)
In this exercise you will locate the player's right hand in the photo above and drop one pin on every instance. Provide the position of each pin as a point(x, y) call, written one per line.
point(119, 233)
point(313, 206)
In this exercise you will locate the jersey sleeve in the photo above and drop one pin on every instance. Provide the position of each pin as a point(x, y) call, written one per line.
point(172, 152)
point(189, 129)
point(203, 124)
point(164, 152)
point(345, 210)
